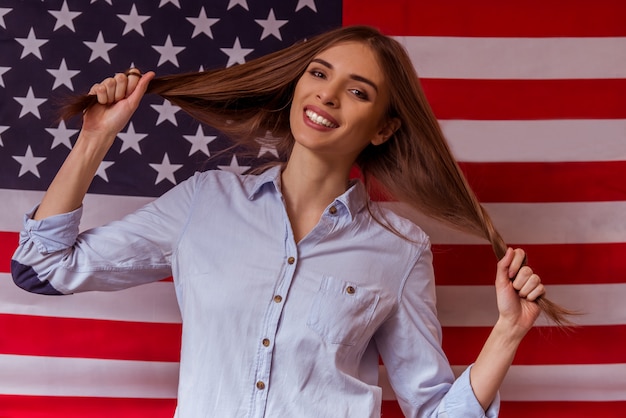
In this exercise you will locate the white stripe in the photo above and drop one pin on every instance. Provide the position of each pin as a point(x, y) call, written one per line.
point(601, 304)
point(99, 209)
point(58, 376)
point(536, 223)
point(536, 140)
point(517, 58)
point(579, 382)
point(475, 306)
point(157, 303)
point(522, 223)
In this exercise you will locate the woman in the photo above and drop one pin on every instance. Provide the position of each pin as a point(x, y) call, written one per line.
point(291, 283)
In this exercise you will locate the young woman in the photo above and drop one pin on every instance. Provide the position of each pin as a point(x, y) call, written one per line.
point(291, 282)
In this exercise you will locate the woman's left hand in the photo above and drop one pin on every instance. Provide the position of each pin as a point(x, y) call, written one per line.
point(516, 299)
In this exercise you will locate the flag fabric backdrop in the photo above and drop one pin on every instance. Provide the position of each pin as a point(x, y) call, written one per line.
point(530, 94)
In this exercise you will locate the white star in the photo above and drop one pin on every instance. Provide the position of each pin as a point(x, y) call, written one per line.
point(236, 54)
point(131, 139)
point(133, 21)
point(271, 26)
point(165, 170)
point(199, 141)
point(2, 71)
point(202, 24)
point(174, 2)
point(167, 111)
point(242, 3)
point(63, 76)
point(64, 17)
point(3, 11)
point(234, 166)
point(99, 48)
point(31, 44)
point(61, 135)
point(168, 52)
point(30, 104)
point(2, 129)
point(306, 3)
point(101, 172)
point(29, 162)
point(266, 146)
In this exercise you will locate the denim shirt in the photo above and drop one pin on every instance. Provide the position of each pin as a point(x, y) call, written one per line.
point(271, 327)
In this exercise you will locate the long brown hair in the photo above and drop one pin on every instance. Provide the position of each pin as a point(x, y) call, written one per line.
point(415, 166)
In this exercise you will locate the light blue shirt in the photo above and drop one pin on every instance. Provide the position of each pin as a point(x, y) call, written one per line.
point(271, 327)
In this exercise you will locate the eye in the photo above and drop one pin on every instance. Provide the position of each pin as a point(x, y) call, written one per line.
point(359, 94)
point(317, 73)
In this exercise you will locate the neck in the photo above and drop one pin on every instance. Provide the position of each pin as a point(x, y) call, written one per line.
point(309, 185)
point(313, 181)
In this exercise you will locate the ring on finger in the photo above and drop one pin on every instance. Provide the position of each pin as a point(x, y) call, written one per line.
point(133, 71)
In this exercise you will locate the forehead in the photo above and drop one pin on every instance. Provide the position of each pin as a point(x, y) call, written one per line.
point(355, 58)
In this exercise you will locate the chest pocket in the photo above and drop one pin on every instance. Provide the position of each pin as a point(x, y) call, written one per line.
point(341, 311)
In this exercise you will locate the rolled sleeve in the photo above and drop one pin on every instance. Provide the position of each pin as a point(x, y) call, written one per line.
point(51, 234)
point(460, 400)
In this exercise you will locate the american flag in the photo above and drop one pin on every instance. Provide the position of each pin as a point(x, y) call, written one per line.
point(531, 95)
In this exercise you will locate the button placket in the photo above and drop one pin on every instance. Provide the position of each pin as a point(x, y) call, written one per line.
point(270, 328)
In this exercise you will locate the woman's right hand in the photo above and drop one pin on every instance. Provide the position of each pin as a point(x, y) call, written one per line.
point(118, 98)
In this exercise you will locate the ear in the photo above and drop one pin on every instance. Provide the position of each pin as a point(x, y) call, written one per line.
point(389, 128)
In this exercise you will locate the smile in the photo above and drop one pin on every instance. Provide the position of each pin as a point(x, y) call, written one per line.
point(319, 120)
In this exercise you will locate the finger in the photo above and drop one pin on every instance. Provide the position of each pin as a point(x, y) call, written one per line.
point(519, 260)
point(133, 75)
point(502, 271)
point(536, 293)
point(119, 91)
point(141, 87)
point(110, 86)
point(522, 278)
point(101, 92)
point(529, 285)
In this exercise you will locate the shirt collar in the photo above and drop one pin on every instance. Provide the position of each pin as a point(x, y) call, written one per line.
point(353, 199)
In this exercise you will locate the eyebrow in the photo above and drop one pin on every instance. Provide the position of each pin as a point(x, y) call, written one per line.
point(352, 76)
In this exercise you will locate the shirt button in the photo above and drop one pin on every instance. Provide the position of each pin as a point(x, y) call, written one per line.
point(266, 342)
point(278, 298)
point(332, 210)
point(350, 290)
point(260, 385)
point(291, 260)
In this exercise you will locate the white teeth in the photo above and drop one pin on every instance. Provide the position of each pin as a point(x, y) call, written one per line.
point(320, 120)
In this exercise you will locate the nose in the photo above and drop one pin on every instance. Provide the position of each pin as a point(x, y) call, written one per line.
point(329, 95)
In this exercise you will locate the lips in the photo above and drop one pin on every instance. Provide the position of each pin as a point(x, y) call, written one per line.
point(320, 119)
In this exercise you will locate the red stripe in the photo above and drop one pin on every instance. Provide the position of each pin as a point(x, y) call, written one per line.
point(79, 407)
point(15, 406)
point(8, 244)
point(563, 409)
point(555, 263)
point(537, 409)
point(526, 99)
point(530, 18)
point(548, 182)
point(89, 338)
point(544, 345)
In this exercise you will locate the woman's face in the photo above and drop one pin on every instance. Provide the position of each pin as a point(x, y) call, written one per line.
point(340, 103)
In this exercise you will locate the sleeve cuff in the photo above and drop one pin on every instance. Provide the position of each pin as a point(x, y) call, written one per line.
point(461, 396)
point(54, 233)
